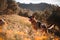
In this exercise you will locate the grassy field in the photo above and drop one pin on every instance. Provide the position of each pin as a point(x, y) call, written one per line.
point(19, 28)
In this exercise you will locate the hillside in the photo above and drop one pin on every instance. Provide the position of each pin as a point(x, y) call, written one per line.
point(19, 28)
point(15, 26)
point(34, 7)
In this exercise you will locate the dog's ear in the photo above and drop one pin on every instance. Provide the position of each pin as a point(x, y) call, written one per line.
point(30, 17)
point(2, 22)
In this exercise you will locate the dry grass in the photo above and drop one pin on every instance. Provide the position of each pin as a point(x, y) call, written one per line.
point(19, 28)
